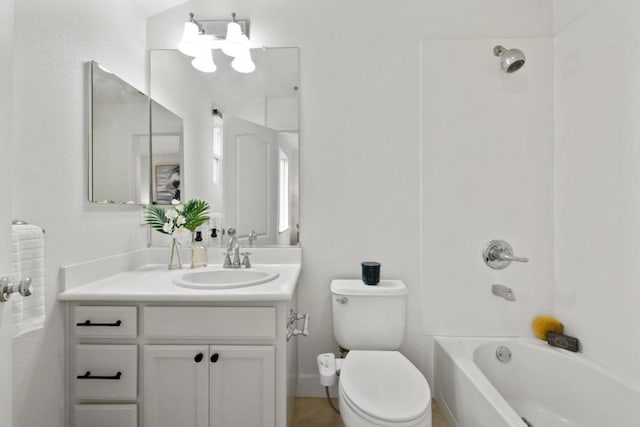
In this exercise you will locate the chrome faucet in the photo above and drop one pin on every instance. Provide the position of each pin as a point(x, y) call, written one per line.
point(233, 249)
point(232, 256)
point(253, 236)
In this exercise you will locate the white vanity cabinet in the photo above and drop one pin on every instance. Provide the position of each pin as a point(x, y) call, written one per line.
point(209, 386)
point(155, 364)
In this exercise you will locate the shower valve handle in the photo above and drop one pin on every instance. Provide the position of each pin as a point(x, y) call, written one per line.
point(497, 254)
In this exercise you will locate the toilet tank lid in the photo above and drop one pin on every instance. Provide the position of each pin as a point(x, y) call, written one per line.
point(358, 287)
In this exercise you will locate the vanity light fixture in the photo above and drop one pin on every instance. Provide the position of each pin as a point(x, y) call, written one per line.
point(199, 38)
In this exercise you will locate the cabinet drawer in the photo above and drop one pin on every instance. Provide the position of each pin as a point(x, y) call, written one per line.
point(116, 369)
point(210, 322)
point(105, 415)
point(105, 322)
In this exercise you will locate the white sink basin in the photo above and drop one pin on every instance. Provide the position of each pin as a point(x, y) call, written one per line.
point(224, 278)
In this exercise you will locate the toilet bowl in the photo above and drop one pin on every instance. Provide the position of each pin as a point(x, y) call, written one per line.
point(378, 386)
point(383, 388)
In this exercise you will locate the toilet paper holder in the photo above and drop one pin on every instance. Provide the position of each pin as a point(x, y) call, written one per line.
point(292, 331)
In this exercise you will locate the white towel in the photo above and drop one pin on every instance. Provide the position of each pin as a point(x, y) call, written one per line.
point(27, 243)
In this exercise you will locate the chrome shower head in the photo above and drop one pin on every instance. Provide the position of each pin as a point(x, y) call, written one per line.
point(511, 60)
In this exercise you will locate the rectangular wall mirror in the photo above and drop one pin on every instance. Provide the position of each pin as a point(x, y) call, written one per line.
point(241, 138)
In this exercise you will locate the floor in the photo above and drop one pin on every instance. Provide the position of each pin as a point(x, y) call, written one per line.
point(316, 412)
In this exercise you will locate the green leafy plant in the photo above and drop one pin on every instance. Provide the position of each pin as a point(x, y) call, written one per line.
point(181, 217)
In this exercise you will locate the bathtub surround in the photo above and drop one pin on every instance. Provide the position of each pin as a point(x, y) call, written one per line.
point(488, 135)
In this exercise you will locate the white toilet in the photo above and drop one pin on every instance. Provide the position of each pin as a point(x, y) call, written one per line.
point(378, 386)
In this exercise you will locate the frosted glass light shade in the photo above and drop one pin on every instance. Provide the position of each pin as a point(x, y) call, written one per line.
point(204, 61)
point(233, 43)
point(190, 43)
point(243, 62)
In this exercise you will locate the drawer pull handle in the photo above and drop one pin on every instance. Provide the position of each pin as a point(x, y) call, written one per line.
point(87, 376)
point(198, 358)
point(215, 358)
point(88, 323)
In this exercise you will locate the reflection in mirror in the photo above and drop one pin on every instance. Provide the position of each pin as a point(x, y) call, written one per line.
point(118, 139)
point(241, 139)
point(166, 148)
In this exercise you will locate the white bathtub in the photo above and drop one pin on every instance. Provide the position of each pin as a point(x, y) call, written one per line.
point(547, 386)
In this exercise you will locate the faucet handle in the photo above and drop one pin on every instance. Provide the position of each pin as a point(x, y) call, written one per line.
point(245, 259)
point(231, 232)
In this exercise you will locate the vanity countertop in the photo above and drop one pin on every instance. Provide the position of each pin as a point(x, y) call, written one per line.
point(153, 282)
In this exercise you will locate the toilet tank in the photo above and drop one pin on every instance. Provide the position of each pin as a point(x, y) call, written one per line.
point(369, 317)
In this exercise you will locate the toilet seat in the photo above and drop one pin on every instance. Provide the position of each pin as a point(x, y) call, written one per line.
point(385, 388)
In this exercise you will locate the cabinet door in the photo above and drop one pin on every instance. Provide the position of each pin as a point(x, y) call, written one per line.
point(176, 386)
point(242, 386)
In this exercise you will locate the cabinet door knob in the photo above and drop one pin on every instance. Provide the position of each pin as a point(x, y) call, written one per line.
point(198, 358)
point(215, 358)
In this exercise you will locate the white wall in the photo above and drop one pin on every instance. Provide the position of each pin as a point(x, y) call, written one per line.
point(52, 41)
point(360, 121)
point(597, 186)
point(6, 172)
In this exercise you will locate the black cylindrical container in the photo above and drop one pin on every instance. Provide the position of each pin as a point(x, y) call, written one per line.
point(371, 272)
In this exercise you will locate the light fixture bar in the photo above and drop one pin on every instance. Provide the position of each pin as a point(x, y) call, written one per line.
point(199, 38)
point(218, 29)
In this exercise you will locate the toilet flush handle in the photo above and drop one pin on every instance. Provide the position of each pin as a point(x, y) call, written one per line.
point(342, 300)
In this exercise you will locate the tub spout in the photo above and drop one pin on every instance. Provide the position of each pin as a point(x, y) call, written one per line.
point(504, 292)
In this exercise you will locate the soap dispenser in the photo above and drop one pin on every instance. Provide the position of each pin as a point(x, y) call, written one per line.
point(198, 252)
